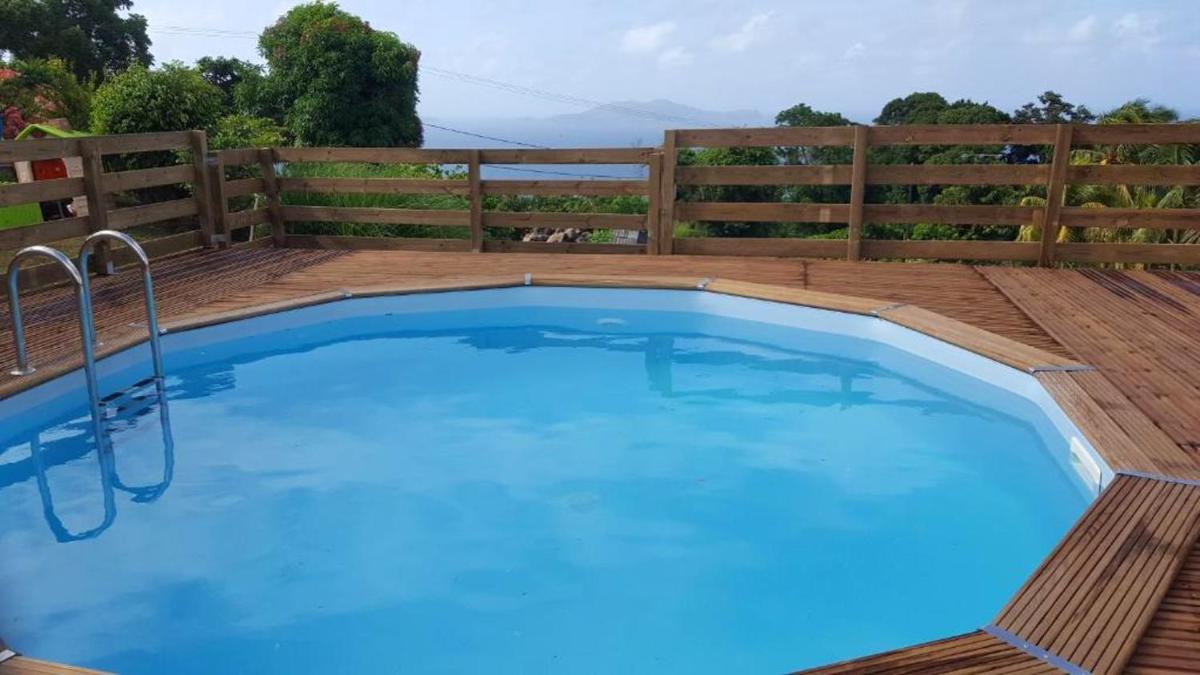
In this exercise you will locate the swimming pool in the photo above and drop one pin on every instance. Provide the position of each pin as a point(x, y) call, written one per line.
point(529, 480)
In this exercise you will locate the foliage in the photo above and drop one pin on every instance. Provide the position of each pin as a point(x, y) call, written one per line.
point(45, 89)
point(227, 74)
point(361, 200)
point(339, 81)
point(801, 115)
point(244, 131)
point(1140, 111)
point(1052, 108)
point(517, 203)
point(731, 193)
point(916, 108)
point(140, 100)
point(91, 36)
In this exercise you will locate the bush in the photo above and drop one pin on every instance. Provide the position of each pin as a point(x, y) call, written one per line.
point(244, 131)
point(140, 100)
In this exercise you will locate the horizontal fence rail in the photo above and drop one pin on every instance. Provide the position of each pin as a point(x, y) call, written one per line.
point(91, 194)
point(1056, 177)
point(232, 193)
point(277, 183)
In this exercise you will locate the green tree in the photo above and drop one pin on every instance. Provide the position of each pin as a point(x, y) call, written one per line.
point(933, 108)
point(91, 36)
point(140, 100)
point(802, 115)
point(916, 108)
point(340, 81)
point(227, 74)
point(732, 193)
point(45, 89)
point(1052, 108)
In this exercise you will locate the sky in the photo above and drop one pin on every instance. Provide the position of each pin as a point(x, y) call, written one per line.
point(848, 56)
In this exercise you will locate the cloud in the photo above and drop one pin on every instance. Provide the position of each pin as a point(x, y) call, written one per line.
point(1137, 30)
point(674, 57)
point(647, 38)
point(1083, 30)
point(855, 51)
point(740, 39)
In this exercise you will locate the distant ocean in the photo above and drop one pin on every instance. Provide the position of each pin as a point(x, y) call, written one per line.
point(549, 135)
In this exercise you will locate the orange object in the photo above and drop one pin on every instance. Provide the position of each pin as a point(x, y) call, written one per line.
point(49, 169)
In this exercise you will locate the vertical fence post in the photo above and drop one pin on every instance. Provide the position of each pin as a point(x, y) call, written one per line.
point(266, 162)
point(97, 199)
point(654, 194)
point(858, 188)
point(1055, 192)
point(666, 223)
point(201, 190)
point(476, 186)
point(218, 204)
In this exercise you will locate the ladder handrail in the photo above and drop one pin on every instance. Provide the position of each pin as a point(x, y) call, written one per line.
point(85, 252)
point(84, 302)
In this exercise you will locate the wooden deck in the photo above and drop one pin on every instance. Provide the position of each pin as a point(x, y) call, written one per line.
point(1122, 590)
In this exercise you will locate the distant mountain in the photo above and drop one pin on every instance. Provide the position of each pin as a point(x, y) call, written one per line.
point(661, 111)
point(621, 123)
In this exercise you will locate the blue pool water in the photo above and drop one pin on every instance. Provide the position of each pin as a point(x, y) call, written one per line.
point(521, 482)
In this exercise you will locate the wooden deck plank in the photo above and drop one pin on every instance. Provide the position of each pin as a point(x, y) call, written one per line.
point(1171, 643)
point(975, 652)
point(1122, 434)
point(1139, 329)
point(986, 343)
point(956, 291)
point(1092, 599)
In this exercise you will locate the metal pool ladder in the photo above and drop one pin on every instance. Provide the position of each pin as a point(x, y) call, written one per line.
point(83, 295)
point(85, 252)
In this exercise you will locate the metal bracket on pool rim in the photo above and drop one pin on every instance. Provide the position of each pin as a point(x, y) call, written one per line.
point(1033, 650)
point(887, 308)
point(529, 278)
point(703, 283)
point(1076, 368)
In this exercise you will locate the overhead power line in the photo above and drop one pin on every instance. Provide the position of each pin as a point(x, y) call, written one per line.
point(484, 136)
point(561, 98)
point(550, 172)
point(203, 32)
point(521, 90)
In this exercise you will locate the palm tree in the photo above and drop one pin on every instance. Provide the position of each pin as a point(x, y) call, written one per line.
point(1126, 196)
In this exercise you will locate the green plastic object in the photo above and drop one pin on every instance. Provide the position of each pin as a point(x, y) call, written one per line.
point(20, 215)
point(48, 132)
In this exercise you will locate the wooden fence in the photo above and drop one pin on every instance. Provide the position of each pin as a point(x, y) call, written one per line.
point(1055, 176)
point(668, 190)
point(472, 217)
point(99, 186)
